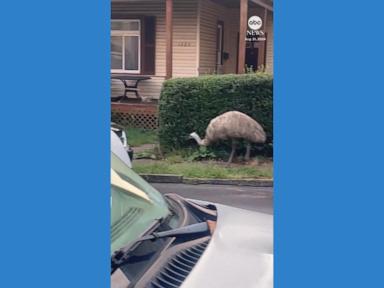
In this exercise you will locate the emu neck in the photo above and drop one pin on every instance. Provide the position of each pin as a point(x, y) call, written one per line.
point(199, 140)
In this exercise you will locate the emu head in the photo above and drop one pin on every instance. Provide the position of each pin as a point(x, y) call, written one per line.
point(193, 135)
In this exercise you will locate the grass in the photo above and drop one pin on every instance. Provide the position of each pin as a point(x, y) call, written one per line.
point(179, 162)
point(204, 170)
point(137, 137)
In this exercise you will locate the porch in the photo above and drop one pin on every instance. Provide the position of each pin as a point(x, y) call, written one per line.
point(186, 38)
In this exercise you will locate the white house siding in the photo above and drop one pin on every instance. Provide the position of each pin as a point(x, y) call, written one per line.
point(210, 14)
point(184, 40)
point(231, 40)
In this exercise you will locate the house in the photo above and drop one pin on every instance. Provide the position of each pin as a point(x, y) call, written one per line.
point(185, 38)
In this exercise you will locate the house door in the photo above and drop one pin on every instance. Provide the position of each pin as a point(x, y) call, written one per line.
point(252, 58)
point(255, 56)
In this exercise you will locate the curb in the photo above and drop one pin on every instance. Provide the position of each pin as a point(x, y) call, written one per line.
point(170, 178)
point(163, 178)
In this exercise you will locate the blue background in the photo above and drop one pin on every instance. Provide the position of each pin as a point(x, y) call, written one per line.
point(54, 125)
point(54, 155)
point(328, 107)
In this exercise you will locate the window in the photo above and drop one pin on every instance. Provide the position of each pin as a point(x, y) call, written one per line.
point(125, 46)
point(219, 43)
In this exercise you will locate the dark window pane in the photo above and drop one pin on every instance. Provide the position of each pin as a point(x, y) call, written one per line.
point(131, 53)
point(125, 25)
point(116, 52)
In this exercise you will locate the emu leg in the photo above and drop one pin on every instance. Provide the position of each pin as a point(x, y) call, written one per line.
point(248, 152)
point(232, 152)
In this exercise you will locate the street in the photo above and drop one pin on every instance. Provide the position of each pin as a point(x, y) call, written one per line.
point(252, 198)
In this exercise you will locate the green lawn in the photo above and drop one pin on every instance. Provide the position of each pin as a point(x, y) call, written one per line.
point(179, 162)
point(204, 170)
point(137, 136)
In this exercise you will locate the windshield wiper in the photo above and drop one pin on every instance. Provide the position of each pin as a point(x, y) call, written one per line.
point(120, 256)
point(186, 230)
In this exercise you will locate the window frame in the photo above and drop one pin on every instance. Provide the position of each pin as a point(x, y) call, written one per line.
point(126, 33)
point(220, 43)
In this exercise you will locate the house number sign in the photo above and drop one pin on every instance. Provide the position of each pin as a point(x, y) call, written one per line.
point(184, 44)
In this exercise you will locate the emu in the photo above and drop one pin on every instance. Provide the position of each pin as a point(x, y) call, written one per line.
point(232, 125)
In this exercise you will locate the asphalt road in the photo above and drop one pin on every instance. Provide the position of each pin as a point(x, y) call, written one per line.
point(252, 198)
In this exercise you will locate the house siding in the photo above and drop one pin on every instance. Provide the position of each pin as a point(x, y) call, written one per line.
point(210, 14)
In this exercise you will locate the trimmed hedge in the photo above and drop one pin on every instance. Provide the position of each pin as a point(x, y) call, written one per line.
point(188, 104)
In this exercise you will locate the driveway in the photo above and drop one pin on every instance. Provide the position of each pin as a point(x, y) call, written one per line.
point(252, 198)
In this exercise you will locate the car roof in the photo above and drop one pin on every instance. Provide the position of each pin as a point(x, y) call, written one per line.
point(118, 149)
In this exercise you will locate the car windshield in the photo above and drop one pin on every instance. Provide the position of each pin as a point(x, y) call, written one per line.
point(135, 204)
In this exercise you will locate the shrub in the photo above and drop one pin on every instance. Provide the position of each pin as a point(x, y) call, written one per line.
point(188, 104)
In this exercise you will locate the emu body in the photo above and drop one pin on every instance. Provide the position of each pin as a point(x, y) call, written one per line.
point(232, 125)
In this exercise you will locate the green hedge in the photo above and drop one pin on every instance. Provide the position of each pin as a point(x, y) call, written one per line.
point(188, 104)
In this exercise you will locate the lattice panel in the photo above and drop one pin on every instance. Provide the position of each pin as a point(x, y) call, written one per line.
point(137, 115)
point(136, 120)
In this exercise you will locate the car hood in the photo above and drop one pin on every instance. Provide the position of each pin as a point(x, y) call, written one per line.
point(240, 253)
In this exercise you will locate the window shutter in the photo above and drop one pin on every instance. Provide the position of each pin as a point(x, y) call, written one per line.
point(149, 42)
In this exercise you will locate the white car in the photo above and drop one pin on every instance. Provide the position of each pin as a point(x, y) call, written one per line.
point(169, 241)
point(119, 131)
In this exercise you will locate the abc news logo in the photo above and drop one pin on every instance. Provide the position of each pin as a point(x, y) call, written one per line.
point(255, 23)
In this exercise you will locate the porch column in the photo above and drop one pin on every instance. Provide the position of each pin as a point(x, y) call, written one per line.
point(265, 19)
point(242, 35)
point(266, 41)
point(169, 38)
